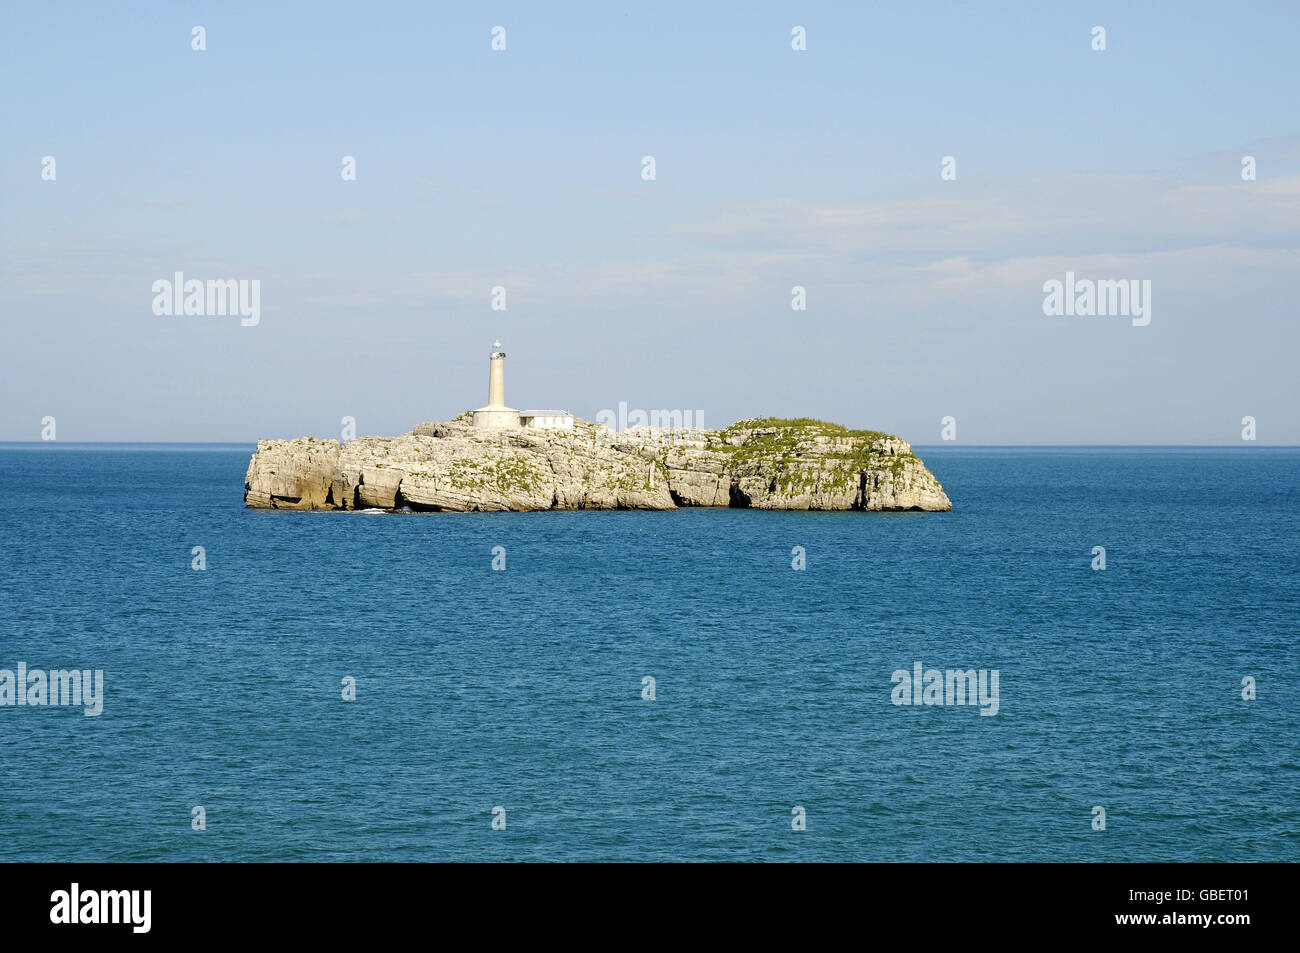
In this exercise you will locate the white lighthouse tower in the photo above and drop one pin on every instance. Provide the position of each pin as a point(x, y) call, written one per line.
point(496, 415)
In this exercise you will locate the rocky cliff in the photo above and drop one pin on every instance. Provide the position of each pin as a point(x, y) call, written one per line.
point(766, 464)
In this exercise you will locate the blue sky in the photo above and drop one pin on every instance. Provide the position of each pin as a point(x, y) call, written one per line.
point(775, 168)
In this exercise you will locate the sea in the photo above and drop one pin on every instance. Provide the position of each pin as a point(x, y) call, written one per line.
point(657, 686)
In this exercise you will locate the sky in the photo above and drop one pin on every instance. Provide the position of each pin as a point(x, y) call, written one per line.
point(775, 168)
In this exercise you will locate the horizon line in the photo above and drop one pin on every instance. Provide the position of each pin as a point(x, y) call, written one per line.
point(927, 446)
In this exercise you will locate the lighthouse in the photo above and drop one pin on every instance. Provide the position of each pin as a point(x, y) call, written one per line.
point(496, 415)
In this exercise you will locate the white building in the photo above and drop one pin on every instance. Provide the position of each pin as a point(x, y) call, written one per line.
point(547, 419)
point(497, 416)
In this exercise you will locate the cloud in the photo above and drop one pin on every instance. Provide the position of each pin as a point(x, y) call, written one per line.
point(1272, 151)
point(151, 203)
point(344, 218)
point(1087, 213)
point(958, 245)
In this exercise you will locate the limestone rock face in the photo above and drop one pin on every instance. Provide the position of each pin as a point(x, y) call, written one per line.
point(765, 464)
point(291, 474)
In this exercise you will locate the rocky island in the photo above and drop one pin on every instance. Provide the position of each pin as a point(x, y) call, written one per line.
point(499, 458)
point(768, 463)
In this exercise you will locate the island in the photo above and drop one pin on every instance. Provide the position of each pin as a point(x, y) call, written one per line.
point(769, 463)
point(497, 458)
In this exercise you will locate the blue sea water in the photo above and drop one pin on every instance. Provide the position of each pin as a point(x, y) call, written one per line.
point(523, 688)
